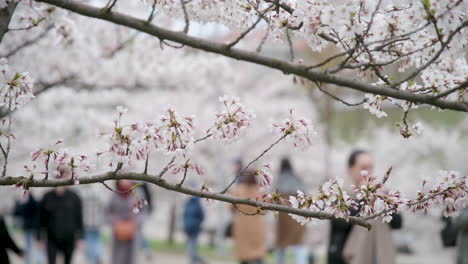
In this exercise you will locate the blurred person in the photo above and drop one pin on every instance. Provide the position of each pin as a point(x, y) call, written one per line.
point(350, 244)
point(289, 232)
point(237, 166)
point(193, 219)
point(125, 225)
point(7, 243)
point(460, 224)
point(145, 214)
point(28, 212)
point(61, 221)
point(94, 209)
point(248, 231)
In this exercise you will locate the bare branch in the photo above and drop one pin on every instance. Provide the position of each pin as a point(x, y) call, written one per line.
point(27, 43)
point(110, 5)
point(463, 85)
point(154, 179)
point(153, 10)
point(186, 18)
point(252, 162)
point(241, 36)
point(319, 86)
point(290, 44)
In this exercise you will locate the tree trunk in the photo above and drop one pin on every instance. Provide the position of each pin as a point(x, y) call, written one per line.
point(172, 224)
point(5, 16)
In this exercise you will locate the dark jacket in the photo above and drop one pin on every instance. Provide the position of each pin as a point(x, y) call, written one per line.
point(193, 216)
point(29, 213)
point(339, 234)
point(6, 242)
point(61, 216)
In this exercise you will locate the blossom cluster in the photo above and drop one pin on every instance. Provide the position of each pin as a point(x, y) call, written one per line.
point(58, 163)
point(15, 89)
point(264, 175)
point(138, 205)
point(232, 122)
point(170, 134)
point(374, 104)
point(299, 131)
point(186, 166)
point(448, 190)
point(330, 198)
point(371, 200)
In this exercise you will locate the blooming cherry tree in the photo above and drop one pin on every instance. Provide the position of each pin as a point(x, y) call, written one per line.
point(405, 54)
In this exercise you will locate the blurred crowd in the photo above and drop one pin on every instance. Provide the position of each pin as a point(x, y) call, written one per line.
point(65, 218)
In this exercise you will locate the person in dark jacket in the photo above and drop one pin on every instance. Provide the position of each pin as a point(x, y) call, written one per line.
point(358, 161)
point(29, 214)
point(6, 242)
point(62, 222)
point(193, 219)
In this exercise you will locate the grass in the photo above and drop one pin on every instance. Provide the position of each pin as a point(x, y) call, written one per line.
point(351, 124)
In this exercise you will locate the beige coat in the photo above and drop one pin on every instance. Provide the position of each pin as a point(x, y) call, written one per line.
point(370, 247)
point(289, 232)
point(249, 232)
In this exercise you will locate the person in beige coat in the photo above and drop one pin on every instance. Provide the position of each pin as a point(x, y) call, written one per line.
point(249, 229)
point(350, 244)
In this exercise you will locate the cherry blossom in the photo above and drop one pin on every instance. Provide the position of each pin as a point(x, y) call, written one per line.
point(186, 166)
point(264, 176)
point(15, 89)
point(233, 121)
point(177, 132)
point(299, 131)
point(374, 104)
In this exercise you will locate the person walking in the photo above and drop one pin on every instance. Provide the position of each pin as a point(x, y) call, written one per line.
point(94, 210)
point(289, 233)
point(60, 221)
point(249, 228)
point(349, 244)
point(7, 243)
point(28, 212)
point(193, 219)
point(125, 225)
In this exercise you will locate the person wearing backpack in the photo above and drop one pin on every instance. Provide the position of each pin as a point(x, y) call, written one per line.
point(193, 218)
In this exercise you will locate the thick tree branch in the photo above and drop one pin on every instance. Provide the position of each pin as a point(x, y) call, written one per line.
point(282, 65)
point(154, 179)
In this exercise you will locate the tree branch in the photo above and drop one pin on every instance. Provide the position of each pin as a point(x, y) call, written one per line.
point(154, 179)
point(223, 49)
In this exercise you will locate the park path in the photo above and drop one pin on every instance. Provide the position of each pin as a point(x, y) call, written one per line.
point(176, 258)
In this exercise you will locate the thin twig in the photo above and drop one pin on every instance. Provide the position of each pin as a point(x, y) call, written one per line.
point(463, 85)
point(254, 160)
point(241, 36)
point(185, 176)
point(166, 168)
point(186, 18)
point(153, 10)
point(319, 86)
point(203, 138)
point(291, 48)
